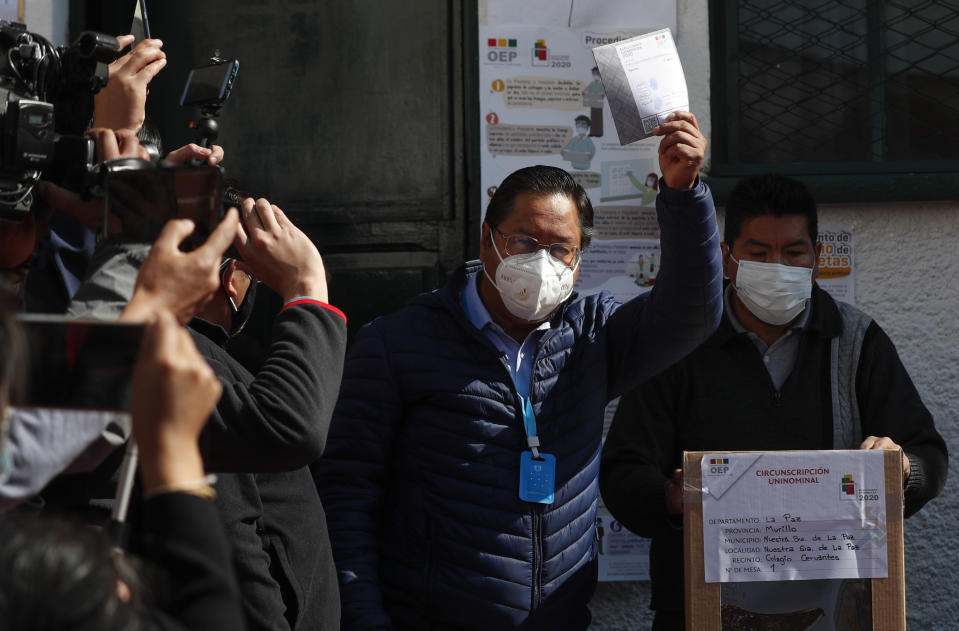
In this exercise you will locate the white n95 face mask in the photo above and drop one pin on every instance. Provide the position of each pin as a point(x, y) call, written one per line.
point(532, 285)
point(772, 292)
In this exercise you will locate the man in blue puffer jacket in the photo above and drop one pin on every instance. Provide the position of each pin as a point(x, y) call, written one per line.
point(460, 474)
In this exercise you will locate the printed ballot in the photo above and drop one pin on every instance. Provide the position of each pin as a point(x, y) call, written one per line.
point(778, 516)
point(644, 83)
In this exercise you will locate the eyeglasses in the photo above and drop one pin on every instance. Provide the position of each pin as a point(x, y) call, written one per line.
point(524, 244)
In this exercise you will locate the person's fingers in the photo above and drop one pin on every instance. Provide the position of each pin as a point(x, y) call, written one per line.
point(673, 126)
point(106, 143)
point(187, 152)
point(216, 154)
point(133, 62)
point(124, 40)
point(683, 154)
point(264, 211)
point(250, 219)
point(146, 52)
point(677, 138)
point(146, 74)
point(241, 239)
point(281, 219)
point(127, 143)
point(680, 115)
point(173, 233)
point(221, 238)
point(117, 67)
point(878, 442)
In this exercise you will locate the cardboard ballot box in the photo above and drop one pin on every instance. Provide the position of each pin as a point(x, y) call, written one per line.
point(794, 540)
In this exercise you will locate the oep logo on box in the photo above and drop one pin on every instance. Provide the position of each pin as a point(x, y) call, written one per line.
point(718, 466)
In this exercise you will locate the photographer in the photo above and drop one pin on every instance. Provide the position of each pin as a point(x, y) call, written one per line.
point(275, 423)
point(45, 443)
point(67, 223)
point(267, 427)
point(54, 575)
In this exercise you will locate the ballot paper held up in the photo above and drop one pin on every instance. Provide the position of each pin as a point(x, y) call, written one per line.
point(644, 82)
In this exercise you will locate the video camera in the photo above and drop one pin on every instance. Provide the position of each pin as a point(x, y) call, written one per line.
point(34, 77)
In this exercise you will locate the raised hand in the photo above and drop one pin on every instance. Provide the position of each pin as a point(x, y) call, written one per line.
point(122, 103)
point(171, 396)
point(681, 151)
point(278, 253)
point(180, 282)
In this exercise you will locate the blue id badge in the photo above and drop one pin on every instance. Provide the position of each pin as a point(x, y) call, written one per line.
point(537, 477)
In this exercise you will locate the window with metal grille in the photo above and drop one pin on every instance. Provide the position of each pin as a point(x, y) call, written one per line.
point(860, 98)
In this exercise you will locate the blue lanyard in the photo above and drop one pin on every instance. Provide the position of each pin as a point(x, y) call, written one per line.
point(529, 418)
point(529, 424)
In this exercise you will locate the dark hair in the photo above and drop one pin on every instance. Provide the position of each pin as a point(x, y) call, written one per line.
point(541, 180)
point(583, 119)
point(769, 194)
point(56, 574)
point(12, 347)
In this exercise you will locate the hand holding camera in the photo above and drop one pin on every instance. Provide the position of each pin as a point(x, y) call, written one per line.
point(122, 103)
point(172, 394)
point(192, 151)
point(278, 253)
point(181, 282)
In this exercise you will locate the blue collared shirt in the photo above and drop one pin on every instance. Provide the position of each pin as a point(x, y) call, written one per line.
point(519, 357)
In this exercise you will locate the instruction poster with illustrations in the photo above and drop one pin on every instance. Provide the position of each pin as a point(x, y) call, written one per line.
point(542, 101)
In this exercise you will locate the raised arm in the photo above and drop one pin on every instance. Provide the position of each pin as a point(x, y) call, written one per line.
point(279, 421)
point(655, 330)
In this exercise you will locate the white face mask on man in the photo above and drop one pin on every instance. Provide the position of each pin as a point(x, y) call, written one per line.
point(532, 285)
point(772, 292)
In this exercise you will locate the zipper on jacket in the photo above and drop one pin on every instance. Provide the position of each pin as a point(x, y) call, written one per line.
point(537, 589)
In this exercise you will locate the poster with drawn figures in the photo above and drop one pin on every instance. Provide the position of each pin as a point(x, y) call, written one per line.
point(542, 102)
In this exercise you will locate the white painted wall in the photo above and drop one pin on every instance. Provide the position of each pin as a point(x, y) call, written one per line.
point(907, 279)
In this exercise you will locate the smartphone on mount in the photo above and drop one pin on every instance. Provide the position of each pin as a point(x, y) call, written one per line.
point(210, 84)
